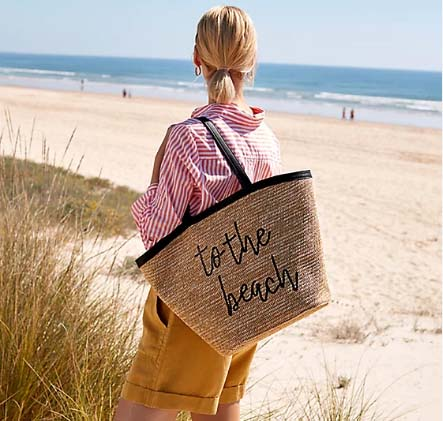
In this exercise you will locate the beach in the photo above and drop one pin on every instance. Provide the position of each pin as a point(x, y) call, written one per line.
point(378, 192)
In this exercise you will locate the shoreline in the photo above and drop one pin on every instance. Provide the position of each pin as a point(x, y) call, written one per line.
point(191, 103)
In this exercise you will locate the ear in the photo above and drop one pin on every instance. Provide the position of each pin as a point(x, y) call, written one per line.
point(197, 60)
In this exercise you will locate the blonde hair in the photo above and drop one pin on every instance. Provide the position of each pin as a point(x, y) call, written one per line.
point(226, 43)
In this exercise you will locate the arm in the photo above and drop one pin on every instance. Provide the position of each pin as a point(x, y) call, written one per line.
point(161, 208)
point(159, 157)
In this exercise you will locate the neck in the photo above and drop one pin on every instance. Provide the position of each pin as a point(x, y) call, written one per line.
point(238, 100)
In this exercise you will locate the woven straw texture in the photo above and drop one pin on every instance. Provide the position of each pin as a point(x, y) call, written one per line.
point(248, 270)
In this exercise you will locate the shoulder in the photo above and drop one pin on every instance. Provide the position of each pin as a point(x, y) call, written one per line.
point(184, 138)
point(187, 131)
point(190, 124)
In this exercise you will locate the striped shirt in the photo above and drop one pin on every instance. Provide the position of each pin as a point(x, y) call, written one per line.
point(194, 171)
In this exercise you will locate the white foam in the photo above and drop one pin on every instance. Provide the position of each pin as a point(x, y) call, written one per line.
point(294, 95)
point(35, 71)
point(257, 89)
point(193, 84)
point(415, 104)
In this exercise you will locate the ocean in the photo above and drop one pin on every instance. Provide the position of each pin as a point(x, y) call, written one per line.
point(380, 95)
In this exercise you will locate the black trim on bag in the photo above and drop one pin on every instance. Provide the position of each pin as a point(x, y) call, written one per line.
point(193, 219)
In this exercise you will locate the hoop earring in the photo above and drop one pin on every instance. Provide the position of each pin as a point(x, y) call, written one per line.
point(198, 70)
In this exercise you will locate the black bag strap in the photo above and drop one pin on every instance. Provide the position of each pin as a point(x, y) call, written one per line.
point(236, 167)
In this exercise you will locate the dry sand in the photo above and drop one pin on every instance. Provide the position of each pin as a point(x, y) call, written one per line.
point(378, 190)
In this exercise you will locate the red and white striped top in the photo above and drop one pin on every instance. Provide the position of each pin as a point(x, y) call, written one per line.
point(194, 171)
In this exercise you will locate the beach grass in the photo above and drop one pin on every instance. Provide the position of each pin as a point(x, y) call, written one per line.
point(92, 204)
point(63, 350)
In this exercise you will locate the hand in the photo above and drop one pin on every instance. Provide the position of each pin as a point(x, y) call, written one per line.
point(159, 157)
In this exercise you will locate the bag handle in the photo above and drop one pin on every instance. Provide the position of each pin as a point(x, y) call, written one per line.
point(236, 167)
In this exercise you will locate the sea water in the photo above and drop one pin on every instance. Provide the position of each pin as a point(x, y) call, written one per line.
point(393, 96)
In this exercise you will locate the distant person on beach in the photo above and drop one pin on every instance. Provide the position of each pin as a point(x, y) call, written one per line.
point(343, 114)
point(82, 85)
point(351, 116)
point(124, 93)
point(175, 369)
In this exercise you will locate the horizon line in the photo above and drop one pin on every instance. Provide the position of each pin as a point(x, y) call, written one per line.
point(259, 62)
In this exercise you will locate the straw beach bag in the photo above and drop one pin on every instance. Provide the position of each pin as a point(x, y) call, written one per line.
point(246, 267)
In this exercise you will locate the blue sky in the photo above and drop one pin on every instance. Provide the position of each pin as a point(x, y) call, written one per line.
point(378, 33)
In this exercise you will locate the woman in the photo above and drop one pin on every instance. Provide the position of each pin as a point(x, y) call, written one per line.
point(174, 369)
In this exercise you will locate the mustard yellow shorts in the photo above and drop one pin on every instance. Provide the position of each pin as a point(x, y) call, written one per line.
point(174, 368)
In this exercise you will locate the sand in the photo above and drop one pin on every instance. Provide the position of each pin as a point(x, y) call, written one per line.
point(378, 190)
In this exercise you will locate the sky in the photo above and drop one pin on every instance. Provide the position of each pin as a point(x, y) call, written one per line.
point(400, 34)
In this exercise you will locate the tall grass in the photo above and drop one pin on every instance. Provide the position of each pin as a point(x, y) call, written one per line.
point(63, 353)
